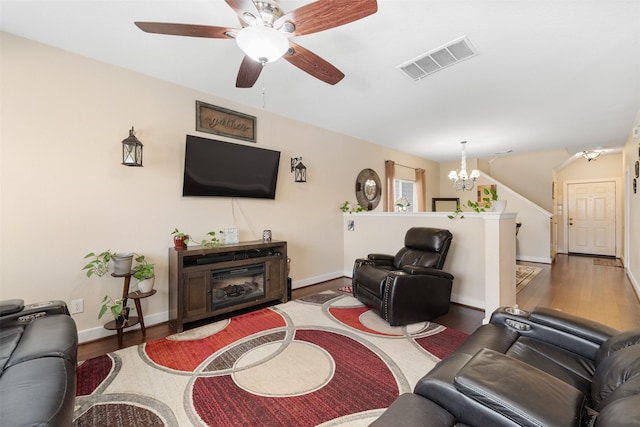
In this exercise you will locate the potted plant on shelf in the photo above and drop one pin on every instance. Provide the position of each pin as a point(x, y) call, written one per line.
point(101, 262)
point(346, 207)
point(145, 274)
point(490, 200)
point(180, 240)
point(496, 205)
point(213, 241)
point(118, 310)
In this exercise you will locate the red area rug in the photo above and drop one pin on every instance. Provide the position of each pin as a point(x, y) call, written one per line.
point(302, 363)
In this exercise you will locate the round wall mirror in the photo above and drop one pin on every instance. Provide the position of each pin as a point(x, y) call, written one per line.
point(368, 189)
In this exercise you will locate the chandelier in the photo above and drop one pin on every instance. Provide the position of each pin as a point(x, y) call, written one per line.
point(461, 180)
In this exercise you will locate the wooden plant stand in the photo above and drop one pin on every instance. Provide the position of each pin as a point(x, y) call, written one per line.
point(132, 320)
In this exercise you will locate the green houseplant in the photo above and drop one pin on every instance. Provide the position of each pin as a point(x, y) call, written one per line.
point(102, 262)
point(99, 265)
point(346, 207)
point(212, 241)
point(144, 272)
point(119, 312)
point(180, 240)
point(490, 195)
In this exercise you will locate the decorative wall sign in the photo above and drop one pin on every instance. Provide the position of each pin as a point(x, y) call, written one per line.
point(220, 121)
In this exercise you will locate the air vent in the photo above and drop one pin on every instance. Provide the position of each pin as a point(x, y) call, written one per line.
point(442, 57)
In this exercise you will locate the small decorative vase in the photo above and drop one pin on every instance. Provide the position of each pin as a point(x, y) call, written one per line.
point(498, 206)
point(146, 285)
point(266, 235)
point(179, 242)
point(122, 263)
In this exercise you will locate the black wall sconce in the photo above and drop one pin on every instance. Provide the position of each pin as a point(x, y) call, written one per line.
point(299, 169)
point(131, 150)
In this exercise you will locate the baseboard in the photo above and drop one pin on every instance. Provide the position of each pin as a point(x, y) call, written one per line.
point(469, 302)
point(315, 280)
point(634, 282)
point(100, 332)
point(541, 260)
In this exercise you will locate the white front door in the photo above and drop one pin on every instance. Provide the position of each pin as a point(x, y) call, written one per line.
point(592, 218)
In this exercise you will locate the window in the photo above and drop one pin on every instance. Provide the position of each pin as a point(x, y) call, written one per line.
point(407, 189)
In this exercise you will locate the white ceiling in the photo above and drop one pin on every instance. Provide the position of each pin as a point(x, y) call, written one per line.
point(549, 73)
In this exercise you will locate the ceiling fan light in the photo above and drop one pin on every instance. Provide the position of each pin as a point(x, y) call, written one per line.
point(262, 44)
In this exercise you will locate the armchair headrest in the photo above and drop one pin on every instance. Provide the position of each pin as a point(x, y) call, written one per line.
point(428, 239)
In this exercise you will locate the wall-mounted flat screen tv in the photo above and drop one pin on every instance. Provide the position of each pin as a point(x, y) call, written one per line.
point(217, 168)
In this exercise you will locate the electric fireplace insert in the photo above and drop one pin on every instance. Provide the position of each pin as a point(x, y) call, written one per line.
point(231, 286)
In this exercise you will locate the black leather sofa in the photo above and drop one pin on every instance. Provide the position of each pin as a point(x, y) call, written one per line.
point(544, 368)
point(38, 357)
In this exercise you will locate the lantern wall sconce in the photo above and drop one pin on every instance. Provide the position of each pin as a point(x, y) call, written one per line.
point(299, 169)
point(131, 150)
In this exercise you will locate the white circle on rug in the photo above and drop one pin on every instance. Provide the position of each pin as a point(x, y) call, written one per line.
point(374, 322)
point(299, 369)
point(347, 301)
point(201, 332)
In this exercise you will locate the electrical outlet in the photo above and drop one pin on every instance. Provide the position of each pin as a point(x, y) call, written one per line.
point(77, 306)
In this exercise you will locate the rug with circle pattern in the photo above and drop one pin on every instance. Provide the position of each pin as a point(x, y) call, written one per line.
point(322, 360)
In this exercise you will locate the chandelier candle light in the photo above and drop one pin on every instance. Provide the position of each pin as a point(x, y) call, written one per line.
point(461, 180)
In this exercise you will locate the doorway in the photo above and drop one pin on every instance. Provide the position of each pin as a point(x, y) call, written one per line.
point(591, 213)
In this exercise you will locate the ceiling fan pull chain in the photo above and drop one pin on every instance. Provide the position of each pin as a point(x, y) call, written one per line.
point(264, 90)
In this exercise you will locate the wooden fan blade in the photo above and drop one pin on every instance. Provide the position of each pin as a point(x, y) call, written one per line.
point(242, 6)
point(311, 63)
point(249, 72)
point(186, 30)
point(324, 14)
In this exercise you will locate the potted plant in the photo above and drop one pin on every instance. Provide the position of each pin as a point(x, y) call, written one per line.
point(213, 241)
point(100, 263)
point(496, 205)
point(118, 310)
point(180, 240)
point(347, 208)
point(122, 263)
point(144, 273)
point(491, 197)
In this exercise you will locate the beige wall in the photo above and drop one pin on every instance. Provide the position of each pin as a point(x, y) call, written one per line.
point(528, 174)
point(64, 192)
point(631, 154)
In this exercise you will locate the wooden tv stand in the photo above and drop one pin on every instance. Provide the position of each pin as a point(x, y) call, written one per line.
point(201, 280)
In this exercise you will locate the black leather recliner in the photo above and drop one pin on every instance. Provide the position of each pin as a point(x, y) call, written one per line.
point(409, 287)
point(38, 357)
point(544, 368)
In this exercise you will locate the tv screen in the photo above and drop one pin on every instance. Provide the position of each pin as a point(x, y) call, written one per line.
point(217, 168)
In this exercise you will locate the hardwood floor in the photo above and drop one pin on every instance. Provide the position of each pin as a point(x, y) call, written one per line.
point(577, 286)
point(573, 284)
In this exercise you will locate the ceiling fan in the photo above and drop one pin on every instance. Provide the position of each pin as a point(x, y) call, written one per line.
point(266, 32)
